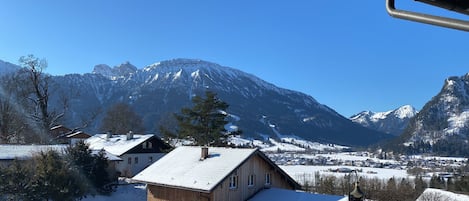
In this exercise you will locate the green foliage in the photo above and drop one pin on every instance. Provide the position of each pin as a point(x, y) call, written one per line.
point(53, 176)
point(205, 121)
point(93, 167)
point(55, 179)
point(15, 181)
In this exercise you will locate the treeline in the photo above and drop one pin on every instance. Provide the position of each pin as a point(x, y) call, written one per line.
point(451, 146)
point(387, 190)
point(56, 176)
point(373, 189)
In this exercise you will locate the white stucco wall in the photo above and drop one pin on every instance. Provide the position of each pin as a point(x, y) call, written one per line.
point(129, 170)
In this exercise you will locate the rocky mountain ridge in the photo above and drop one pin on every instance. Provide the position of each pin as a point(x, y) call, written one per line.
point(392, 122)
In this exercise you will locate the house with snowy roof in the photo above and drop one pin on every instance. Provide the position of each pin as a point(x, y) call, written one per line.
point(136, 151)
point(213, 173)
point(64, 135)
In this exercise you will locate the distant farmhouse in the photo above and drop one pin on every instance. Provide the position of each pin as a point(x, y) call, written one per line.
point(64, 135)
point(136, 151)
point(212, 174)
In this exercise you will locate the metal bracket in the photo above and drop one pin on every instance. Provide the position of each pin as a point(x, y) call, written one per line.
point(425, 18)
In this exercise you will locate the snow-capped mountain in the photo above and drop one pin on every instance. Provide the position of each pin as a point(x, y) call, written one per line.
point(444, 117)
point(392, 122)
point(161, 89)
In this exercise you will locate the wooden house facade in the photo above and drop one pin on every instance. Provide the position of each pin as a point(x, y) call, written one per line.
point(227, 176)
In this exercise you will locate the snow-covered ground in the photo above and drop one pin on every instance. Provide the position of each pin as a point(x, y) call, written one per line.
point(286, 144)
point(302, 173)
point(125, 191)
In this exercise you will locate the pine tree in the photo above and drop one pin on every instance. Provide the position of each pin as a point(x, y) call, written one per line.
point(205, 121)
point(93, 167)
point(15, 181)
point(54, 179)
point(99, 174)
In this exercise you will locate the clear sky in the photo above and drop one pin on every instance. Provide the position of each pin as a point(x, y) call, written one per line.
point(349, 55)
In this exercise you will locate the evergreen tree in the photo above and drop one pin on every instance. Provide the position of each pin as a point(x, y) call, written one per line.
point(54, 179)
point(93, 167)
point(15, 184)
point(420, 185)
point(99, 174)
point(205, 121)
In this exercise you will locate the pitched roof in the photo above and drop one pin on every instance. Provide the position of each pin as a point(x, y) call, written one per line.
point(277, 194)
point(78, 134)
point(116, 144)
point(10, 152)
point(183, 168)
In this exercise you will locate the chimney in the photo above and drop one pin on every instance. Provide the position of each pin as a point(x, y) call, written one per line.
point(204, 153)
point(108, 135)
point(130, 135)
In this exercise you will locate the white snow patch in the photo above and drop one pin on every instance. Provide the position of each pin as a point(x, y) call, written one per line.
point(456, 122)
point(282, 147)
point(177, 75)
point(125, 191)
point(437, 194)
point(277, 194)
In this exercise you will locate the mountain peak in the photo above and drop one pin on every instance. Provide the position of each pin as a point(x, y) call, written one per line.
point(406, 111)
point(121, 70)
point(391, 122)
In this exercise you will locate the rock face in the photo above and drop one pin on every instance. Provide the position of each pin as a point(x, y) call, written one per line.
point(444, 117)
point(257, 107)
point(391, 122)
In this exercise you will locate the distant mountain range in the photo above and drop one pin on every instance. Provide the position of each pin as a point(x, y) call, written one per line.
point(157, 91)
point(392, 122)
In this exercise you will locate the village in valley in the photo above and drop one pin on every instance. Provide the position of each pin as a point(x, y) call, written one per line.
point(327, 102)
point(219, 172)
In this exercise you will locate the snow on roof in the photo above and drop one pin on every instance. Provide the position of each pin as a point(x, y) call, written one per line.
point(182, 167)
point(116, 144)
point(10, 152)
point(109, 156)
point(437, 194)
point(276, 194)
point(78, 134)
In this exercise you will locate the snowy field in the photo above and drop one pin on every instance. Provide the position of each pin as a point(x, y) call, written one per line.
point(302, 173)
point(133, 192)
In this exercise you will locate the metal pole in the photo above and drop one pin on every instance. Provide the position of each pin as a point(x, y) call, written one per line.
point(425, 18)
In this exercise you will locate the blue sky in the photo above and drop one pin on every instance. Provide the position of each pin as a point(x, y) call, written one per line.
point(349, 55)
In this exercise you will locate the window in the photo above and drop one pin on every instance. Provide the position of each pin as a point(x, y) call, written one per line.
point(233, 182)
point(267, 179)
point(129, 160)
point(136, 160)
point(251, 179)
point(149, 145)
